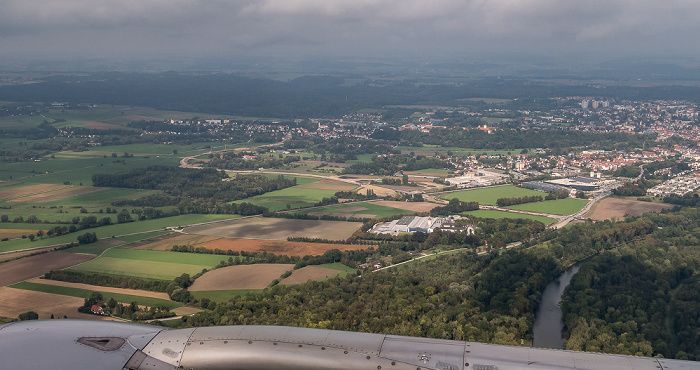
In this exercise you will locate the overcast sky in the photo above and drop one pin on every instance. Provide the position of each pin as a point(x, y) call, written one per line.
point(143, 29)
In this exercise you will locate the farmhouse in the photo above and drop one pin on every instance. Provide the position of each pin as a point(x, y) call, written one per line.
point(412, 224)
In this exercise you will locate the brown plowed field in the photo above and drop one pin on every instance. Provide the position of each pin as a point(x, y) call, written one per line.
point(58, 194)
point(257, 276)
point(29, 267)
point(16, 301)
point(307, 273)
point(617, 208)
point(29, 190)
point(277, 246)
point(140, 293)
point(411, 206)
point(277, 228)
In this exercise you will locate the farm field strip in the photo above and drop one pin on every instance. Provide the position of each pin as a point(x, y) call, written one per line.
point(84, 293)
point(205, 260)
point(140, 269)
point(307, 273)
point(103, 289)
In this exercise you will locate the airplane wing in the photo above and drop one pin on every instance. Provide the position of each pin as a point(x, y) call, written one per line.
point(84, 344)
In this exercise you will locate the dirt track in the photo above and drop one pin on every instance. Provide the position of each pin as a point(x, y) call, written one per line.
point(29, 267)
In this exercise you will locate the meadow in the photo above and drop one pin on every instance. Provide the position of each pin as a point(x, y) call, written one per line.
point(566, 206)
point(490, 195)
point(489, 213)
point(294, 197)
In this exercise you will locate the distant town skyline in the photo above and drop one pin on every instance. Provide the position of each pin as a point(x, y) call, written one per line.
point(231, 30)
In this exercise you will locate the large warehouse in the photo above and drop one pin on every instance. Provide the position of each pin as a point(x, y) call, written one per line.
point(411, 224)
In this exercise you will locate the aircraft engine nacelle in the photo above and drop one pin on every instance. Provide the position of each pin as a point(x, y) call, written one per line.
point(78, 344)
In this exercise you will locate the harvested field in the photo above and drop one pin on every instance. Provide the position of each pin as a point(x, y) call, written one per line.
point(307, 273)
point(16, 301)
point(378, 190)
point(16, 233)
point(166, 244)
point(411, 206)
point(277, 228)
point(29, 190)
point(60, 194)
point(257, 276)
point(277, 247)
point(29, 267)
point(141, 293)
point(610, 208)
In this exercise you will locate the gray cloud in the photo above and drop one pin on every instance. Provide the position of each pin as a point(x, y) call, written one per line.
point(153, 28)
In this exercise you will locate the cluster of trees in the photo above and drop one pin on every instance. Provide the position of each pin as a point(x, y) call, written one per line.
point(131, 311)
point(107, 280)
point(235, 161)
point(388, 165)
point(513, 138)
point(635, 189)
point(503, 202)
point(454, 207)
point(193, 183)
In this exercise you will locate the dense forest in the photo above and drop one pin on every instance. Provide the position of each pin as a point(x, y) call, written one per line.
point(308, 96)
point(181, 183)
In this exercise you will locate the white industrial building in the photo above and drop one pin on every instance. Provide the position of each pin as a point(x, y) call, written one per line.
point(411, 224)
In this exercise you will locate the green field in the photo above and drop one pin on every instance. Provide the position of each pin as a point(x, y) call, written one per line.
point(149, 264)
point(295, 197)
point(372, 209)
point(84, 293)
point(488, 213)
point(490, 195)
point(566, 206)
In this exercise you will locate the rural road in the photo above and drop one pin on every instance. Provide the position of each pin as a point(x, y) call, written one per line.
point(511, 245)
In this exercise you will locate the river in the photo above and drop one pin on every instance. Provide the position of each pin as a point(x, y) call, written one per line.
point(548, 318)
